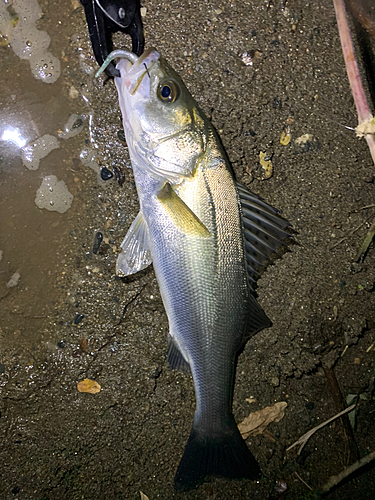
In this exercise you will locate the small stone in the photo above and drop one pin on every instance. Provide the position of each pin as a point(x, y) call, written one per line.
point(106, 174)
point(13, 280)
point(121, 135)
point(249, 57)
point(83, 344)
point(61, 344)
point(73, 93)
point(119, 175)
point(78, 318)
point(97, 242)
point(77, 123)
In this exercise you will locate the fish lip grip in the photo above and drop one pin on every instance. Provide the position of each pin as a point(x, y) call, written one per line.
point(105, 17)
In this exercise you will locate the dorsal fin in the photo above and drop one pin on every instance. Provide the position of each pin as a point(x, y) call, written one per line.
point(263, 231)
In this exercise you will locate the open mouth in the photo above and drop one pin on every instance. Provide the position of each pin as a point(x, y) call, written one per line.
point(132, 68)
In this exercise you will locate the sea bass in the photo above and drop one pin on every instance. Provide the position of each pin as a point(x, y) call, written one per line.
point(207, 237)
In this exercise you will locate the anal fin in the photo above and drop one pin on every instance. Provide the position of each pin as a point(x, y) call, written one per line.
point(175, 358)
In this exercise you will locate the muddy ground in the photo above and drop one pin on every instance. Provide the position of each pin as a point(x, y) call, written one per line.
point(58, 443)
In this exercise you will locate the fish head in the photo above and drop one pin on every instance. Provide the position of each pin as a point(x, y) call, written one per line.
point(161, 120)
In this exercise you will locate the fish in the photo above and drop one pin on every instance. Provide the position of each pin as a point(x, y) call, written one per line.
point(207, 237)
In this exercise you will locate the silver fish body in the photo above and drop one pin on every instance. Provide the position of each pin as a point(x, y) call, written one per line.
point(207, 237)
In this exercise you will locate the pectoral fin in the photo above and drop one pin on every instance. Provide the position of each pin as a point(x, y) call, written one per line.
point(135, 254)
point(181, 215)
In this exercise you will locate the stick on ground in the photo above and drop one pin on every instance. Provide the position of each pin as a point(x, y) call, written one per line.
point(303, 439)
point(335, 480)
point(363, 110)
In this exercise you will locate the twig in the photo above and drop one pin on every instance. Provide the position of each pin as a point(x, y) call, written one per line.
point(366, 243)
point(303, 439)
point(339, 403)
point(114, 330)
point(302, 481)
point(344, 351)
point(367, 206)
point(335, 480)
point(346, 237)
point(363, 110)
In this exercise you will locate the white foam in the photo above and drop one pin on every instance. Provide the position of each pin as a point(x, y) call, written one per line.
point(33, 152)
point(18, 23)
point(87, 157)
point(72, 127)
point(53, 195)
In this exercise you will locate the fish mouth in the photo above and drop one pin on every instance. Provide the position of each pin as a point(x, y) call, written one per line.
point(132, 68)
point(133, 73)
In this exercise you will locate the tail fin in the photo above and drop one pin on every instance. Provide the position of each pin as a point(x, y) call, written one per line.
point(222, 456)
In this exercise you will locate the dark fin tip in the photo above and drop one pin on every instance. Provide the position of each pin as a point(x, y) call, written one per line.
point(224, 456)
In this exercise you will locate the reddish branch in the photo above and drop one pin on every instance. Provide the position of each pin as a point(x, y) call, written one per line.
point(363, 110)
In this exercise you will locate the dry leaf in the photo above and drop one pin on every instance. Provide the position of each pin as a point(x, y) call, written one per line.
point(89, 386)
point(251, 400)
point(143, 496)
point(367, 127)
point(266, 164)
point(257, 421)
point(303, 139)
point(285, 136)
point(83, 344)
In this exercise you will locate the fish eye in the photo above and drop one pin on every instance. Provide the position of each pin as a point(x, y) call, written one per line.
point(168, 91)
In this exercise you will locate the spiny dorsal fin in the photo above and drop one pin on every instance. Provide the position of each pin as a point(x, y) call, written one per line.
point(135, 254)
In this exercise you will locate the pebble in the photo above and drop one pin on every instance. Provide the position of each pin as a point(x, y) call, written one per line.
point(97, 242)
point(119, 175)
point(121, 135)
point(13, 280)
point(249, 57)
point(106, 174)
point(61, 344)
point(78, 318)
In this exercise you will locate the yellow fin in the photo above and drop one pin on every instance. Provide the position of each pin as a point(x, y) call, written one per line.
point(180, 213)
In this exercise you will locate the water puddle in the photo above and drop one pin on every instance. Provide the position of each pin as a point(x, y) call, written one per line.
point(47, 144)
